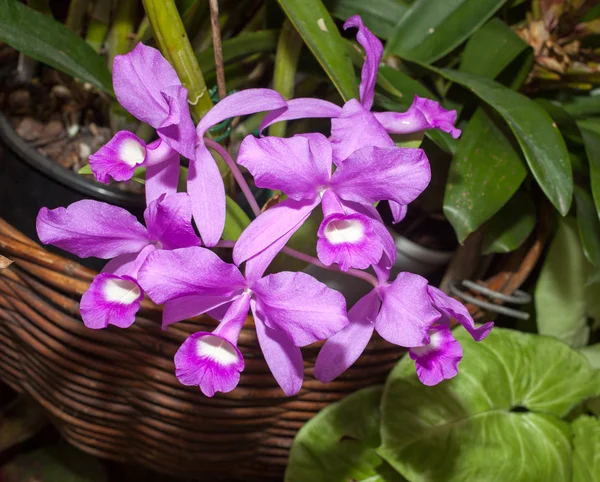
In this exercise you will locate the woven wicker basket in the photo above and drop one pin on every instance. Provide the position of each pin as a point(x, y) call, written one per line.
point(113, 393)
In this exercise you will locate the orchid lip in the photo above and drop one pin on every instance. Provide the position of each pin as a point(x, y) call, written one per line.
point(340, 231)
point(121, 291)
point(132, 152)
point(217, 349)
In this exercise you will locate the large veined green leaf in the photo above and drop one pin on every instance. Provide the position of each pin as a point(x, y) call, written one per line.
point(44, 39)
point(432, 28)
point(586, 449)
point(592, 353)
point(490, 49)
point(498, 420)
point(560, 293)
point(380, 16)
point(511, 226)
point(485, 172)
point(542, 144)
point(317, 28)
point(339, 443)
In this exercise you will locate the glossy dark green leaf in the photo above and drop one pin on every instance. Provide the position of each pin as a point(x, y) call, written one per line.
point(467, 428)
point(57, 463)
point(560, 293)
point(490, 49)
point(485, 172)
point(591, 140)
point(236, 220)
point(320, 33)
point(239, 47)
point(565, 121)
point(48, 41)
point(511, 226)
point(589, 226)
point(380, 16)
point(432, 28)
point(586, 449)
point(339, 443)
point(542, 144)
point(583, 106)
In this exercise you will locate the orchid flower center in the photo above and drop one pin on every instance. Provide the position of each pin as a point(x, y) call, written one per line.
point(435, 342)
point(340, 231)
point(132, 152)
point(217, 349)
point(121, 291)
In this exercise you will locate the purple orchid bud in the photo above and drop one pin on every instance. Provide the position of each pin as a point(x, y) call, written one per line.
point(438, 360)
point(408, 313)
point(148, 87)
point(422, 114)
point(91, 228)
point(111, 300)
point(301, 167)
point(212, 360)
point(290, 310)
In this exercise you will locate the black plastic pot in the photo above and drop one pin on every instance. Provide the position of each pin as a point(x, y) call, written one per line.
point(30, 181)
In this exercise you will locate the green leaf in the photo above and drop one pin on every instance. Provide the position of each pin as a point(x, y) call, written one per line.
point(565, 122)
point(339, 443)
point(239, 47)
point(87, 169)
point(592, 353)
point(48, 41)
point(317, 28)
point(560, 302)
point(541, 142)
point(380, 16)
point(490, 49)
point(58, 463)
point(236, 220)
point(498, 420)
point(586, 449)
point(511, 226)
point(485, 172)
point(432, 28)
point(583, 106)
point(591, 140)
point(589, 226)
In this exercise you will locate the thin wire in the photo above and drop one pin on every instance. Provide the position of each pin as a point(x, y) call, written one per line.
point(489, 306)
point(518, 297)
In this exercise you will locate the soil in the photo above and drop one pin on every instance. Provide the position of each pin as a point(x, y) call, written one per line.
point(61, 118)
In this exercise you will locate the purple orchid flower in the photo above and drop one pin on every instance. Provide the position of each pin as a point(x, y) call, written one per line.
point(354, 125)
point(409, 313)
point(91, 228)
point(352, 233)
point(291, 310)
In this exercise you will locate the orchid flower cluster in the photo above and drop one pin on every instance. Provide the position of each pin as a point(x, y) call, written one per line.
point(346, 174)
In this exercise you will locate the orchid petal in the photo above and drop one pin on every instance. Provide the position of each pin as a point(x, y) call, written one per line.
point(398, 211)
point(189, 306)
point(128, 264)
point(139, 78)
point(373, 53)
point(274, 227)
point(298, 305)
point(422, 114)
point(289, 165)
point(111, 300)
point(167, 275)
point(438, 360)
point(355, 128)
point(118, 158)
point(162, 178)
point(406, 311)
point(342, 349)
point(303, 108)
point(178, 129)
point(449, 307)
point(92, 228)
point(209, 361)
point(374, 174)
point(283, 358)
point(169, 221)
point(234, 319)
point(206, 189)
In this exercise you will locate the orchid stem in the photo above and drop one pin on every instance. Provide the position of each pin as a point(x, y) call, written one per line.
point(216, 36)
point(237, 174)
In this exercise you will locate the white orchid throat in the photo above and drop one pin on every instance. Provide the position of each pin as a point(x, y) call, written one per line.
point(217, 349)
point(341, 231)
point(121, 291)
point(132, 152)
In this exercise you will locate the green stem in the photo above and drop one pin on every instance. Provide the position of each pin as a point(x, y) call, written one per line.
point(175, 46)
point(144, 31)
point(98, 26)
point(119, 41)
point(76, 14)
point(286, 63)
